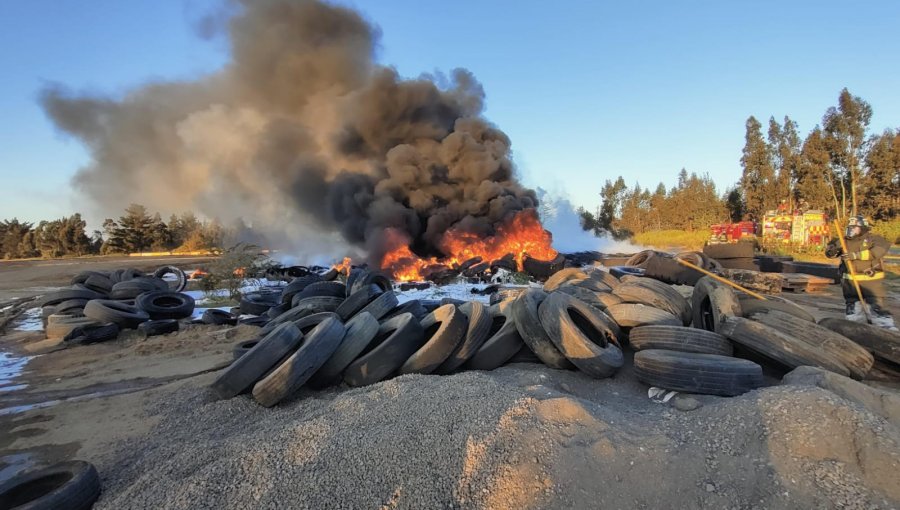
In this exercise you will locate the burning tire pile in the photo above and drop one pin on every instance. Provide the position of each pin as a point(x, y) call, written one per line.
point(320, 333)
point(98, 305)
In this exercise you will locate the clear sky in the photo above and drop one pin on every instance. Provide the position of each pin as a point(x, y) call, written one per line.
point(586, 90)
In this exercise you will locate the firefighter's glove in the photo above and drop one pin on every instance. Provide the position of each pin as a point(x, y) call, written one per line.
point(833, 251)
point(850, 256)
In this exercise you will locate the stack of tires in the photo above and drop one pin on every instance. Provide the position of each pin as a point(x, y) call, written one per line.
point(100, 304)
point(732, 255)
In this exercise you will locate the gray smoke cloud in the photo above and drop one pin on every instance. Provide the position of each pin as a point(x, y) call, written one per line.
point(304, 134)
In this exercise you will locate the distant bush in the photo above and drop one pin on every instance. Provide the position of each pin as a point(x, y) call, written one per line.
point(672, 239)
point(890, 230)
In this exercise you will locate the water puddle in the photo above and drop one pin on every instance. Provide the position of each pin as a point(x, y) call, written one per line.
point(30, 320)
point(6, 411)
point(11, 367)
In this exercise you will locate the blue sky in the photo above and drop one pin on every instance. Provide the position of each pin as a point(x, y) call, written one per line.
point(586, 90)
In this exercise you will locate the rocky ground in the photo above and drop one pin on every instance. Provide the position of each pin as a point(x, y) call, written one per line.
point(523, 436)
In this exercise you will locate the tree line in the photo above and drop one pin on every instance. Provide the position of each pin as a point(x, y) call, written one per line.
point(839, 167)
point(134, 232)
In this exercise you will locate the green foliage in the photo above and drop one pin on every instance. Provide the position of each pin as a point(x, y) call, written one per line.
point(889, 230)
point(235, 265)
point(672, 239)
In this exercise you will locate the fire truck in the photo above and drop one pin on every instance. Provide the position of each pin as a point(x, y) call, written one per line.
point(779, 227)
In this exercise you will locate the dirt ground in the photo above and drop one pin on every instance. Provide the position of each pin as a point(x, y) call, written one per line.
point(523, 436)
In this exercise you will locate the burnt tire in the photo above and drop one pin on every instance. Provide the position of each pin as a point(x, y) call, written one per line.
point(217, 317)
point(55, 298)
point(850, 354)
point(632, 315)
point(71, 485)
point(443, 330)
point(543, 269)
point(92, 334)
point(158, 327)
point(883, 344)
point(292, 373)
point(322, 289)
point(528, 323)
point(781, 347)
point(583, 334)
point(255, 363)
point(178, 281)
point(711, 303)
point(478, 320)
point(397, 339)
point(503, 342)
point(124, 315)
point(751, 305)
point(708, 374)
point(359, 333)
point(165, 304)
point(680, 339)
point(358, 300)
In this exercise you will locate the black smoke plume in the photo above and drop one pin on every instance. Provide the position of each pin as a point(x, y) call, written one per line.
point(302, 132)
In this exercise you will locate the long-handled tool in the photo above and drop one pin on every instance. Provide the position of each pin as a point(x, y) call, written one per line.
point(862, 302)
point(720, 279)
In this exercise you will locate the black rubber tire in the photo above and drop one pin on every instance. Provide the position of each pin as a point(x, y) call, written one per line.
point(310, 306)
point(477, 331)
point(397, 339)
point(779, 346)
point(351, 279)
point(59, 326)
point(641, 258)
point(317, 304)
point(71, 485)
point(85, 335)
point(71, 306)
point(525, 355)
point(367, 278)
point(165, 304)
point(358, 300)
point(413, 306)
point(689, 372)
point(620, 271)
point(658, 295)
point(98, 283)
point(292, 373)
point(258, 303)
point(218, 317)
point(604, 277)
point(381, 305)
point(632, 315)
point(588, 296)
point(55, 298)
point(709, 309)
point(158, 327)
point(256, 363)
point(134, 288)
point(306, 324)
point(503, 342)
point(590, 284)
point(258, 321)
point(745, 263)
point(82, 276)
point(330, 275)
point(326, 288)
point(852, 355)
point(359, 333)
point(750, 305)
point(296, 286)
point(123, 275)
point(275, 311)
point(667, 270)
point(176, 285)
point(125, 315)
point(883, 344)
point(679, 338)
point(585, 335)
point(721, 251)
point(528, 323)
point(543, 269)
point(443, 329)
point(244, 347)
point(562, 276)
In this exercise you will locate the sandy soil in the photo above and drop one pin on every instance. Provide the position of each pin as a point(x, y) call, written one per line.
point(523, 436)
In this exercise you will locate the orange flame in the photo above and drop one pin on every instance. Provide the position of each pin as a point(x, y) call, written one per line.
point(522, 234)
point(343, 267)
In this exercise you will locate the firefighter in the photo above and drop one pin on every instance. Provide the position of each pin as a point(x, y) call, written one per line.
point(866, 253)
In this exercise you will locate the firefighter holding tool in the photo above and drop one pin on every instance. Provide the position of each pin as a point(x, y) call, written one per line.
point(865, 251)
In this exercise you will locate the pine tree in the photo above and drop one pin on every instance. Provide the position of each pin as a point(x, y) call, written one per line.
point(758, 173)
point(880, 186)
point(845, 134)
point(815, 181)
point(135, 229)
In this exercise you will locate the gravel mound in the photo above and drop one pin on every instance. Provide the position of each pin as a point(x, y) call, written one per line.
point(523, 436)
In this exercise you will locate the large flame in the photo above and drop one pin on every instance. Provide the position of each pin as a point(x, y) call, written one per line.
point(522, 235)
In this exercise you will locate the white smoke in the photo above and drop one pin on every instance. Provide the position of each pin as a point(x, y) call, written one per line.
point(559, 216)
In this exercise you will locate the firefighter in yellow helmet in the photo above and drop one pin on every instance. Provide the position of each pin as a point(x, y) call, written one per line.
point(866, 252)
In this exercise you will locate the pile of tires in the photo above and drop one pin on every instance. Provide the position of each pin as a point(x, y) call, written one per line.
point(738, 255)
point(99, 304)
